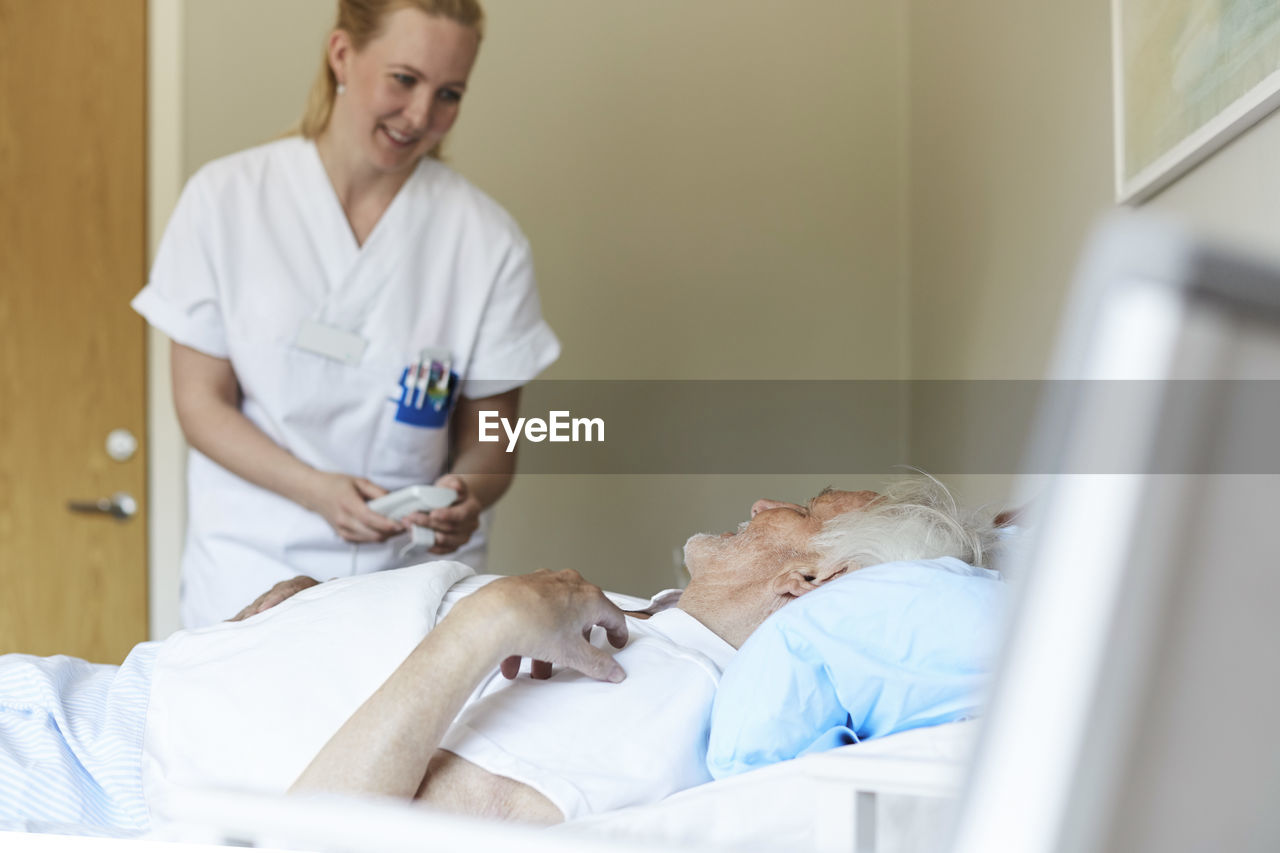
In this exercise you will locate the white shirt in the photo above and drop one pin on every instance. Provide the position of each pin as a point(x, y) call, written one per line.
point(590, 746)
point(278, 685)
point(247, 705)
point(258, 246)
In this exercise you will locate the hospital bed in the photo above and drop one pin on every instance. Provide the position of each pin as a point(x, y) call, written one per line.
point(894, 793)
point(1133, 702)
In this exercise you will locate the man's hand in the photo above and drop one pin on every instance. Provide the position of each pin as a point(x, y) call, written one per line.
point(386, 745)
point(341, 499)
point(548, 616)
point(275, 595)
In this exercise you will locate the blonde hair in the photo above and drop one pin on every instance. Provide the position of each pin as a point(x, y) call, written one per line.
point(362, 20)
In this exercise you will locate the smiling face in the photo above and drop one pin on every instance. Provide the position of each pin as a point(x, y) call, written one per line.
point(403, 89)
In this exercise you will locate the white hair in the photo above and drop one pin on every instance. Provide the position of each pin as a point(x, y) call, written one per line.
point(915, 518)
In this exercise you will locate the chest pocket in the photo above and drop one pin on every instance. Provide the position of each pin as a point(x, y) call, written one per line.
point(412, 441)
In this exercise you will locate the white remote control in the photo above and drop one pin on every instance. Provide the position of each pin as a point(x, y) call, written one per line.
point(396, 505)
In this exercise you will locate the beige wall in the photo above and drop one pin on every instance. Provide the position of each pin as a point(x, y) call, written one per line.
point(854, 189)
point(248, 65)
point(1010, 153)
point(1236, 193)
point(1010, 164)
point(708, 186)
point(713, 190)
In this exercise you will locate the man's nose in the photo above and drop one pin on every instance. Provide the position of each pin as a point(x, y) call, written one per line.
point(763, 504)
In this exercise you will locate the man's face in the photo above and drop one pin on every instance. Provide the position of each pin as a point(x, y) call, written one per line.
point(776, 531)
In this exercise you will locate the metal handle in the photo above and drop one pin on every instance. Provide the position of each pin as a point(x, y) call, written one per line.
point(120, 506)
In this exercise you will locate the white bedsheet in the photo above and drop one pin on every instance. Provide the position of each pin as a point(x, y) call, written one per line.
point(807, 803)
point(246, 706)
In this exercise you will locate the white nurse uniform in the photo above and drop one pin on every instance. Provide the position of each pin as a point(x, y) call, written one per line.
point(259, 247)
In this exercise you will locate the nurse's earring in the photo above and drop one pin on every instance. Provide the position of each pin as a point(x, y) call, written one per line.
point(342, 87)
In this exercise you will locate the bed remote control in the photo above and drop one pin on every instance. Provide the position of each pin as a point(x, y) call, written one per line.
point(396, 505)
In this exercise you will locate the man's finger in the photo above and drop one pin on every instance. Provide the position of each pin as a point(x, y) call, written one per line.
point(510, 667)
point(617, 634)
point(599, 665)
point(540, 669)
point(614, 622)
point(253, 606)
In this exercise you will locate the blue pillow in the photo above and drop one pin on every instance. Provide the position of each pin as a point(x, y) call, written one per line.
point(881, 650)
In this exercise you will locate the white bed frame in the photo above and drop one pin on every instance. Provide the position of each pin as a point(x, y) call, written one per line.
point(1135, 706)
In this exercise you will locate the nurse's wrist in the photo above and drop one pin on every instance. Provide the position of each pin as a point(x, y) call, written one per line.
point(304, 489)
point(310, 489)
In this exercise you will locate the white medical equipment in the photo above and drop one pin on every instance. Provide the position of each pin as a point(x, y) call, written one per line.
point(396, 505)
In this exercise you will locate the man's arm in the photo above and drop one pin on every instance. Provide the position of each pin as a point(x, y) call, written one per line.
point(386, 745)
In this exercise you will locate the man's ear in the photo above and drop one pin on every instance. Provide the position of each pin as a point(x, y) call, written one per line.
point(802, 576)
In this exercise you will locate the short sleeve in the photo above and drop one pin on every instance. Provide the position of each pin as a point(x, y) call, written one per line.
point(181, 298)
point(514, 344)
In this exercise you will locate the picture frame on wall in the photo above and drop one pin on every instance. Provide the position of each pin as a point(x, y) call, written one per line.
point(1188, 76)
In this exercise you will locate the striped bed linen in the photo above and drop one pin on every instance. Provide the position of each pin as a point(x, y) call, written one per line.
point(71, 744)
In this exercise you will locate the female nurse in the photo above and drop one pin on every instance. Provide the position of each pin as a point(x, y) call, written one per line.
point(342, 306)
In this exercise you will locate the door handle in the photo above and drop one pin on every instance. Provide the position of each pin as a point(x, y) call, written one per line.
point(120, 506)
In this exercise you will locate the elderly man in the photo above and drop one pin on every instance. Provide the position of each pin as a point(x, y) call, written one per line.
point(606, 731)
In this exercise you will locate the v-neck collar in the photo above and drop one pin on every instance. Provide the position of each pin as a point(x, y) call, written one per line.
point(355, 273)
point(335, 211)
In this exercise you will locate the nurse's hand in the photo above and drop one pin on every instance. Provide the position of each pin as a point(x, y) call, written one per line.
point(455, 523)
point(341, 499)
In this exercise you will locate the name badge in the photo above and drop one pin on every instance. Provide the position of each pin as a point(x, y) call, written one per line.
point(337, 344)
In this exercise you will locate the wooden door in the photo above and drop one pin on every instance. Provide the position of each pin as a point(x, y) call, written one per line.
point(72, 353)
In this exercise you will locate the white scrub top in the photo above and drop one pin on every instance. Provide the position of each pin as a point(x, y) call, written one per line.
point(259, 245)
